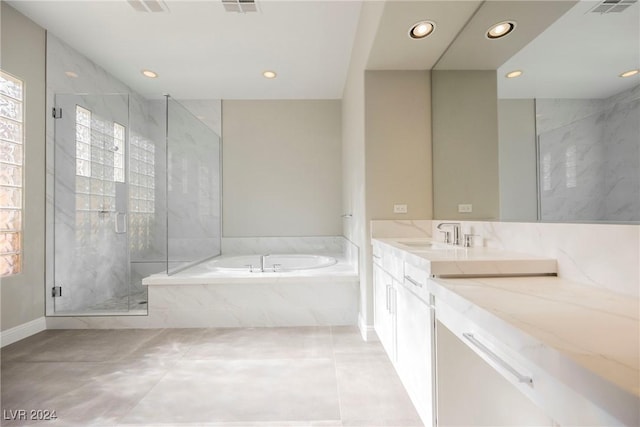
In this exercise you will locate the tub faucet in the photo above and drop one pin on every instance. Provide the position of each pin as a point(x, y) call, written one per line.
point(263, 260)
point(456, 232)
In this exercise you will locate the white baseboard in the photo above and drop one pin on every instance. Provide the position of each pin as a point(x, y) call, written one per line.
point(22, 331)
point(367, 331)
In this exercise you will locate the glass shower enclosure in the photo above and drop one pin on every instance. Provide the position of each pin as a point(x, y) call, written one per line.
point(136, 191)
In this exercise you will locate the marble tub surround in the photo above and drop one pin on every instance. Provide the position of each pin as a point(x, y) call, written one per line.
point(442, 260)
point(202, 296)
point(581, 340)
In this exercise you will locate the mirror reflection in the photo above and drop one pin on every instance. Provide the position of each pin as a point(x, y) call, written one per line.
point(568, 119)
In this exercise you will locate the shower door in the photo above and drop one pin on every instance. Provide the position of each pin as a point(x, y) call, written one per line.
point(91, 259)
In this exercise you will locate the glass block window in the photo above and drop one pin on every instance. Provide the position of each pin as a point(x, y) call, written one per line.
point(83, 142)
point(118, 152)
point(141, 193)
point(11, 171)
point(100, 154)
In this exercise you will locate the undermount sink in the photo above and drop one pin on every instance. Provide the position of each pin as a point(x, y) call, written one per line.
point(425, 245)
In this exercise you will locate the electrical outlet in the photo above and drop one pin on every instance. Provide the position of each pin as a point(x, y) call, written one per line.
point(400, 209)
point(465, 208)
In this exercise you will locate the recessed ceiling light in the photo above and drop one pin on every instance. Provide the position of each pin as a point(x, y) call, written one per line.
point(269, 74)
point(150, 74)
point(500, 29)
point(71, 74)
point(630, 73)
point(514, 74)
point(421, 29)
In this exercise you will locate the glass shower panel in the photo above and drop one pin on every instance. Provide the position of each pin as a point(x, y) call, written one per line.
point(91, 259)
point(193, 189)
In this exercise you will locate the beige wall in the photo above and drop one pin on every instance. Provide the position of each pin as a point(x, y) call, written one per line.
point(517, 151)
point(282, 167)
point(356, 228)
point(23, 55)
point(398, 144)
point(465, 144)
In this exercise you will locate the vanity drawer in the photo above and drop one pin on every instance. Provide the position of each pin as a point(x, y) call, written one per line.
point(393, 265)
point(389, 262)
point(563, 403)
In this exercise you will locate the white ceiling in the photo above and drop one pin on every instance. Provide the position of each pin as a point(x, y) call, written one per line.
point(202, 52)
point(393, 49)
point(579, 56)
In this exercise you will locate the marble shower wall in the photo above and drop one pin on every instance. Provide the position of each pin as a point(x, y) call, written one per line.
point(103, 271)
point(590, 158)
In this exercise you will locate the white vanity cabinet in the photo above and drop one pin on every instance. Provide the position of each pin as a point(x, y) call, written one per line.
point(478, 339)
point(404, 322)
point(383, 310)
point(414, 351)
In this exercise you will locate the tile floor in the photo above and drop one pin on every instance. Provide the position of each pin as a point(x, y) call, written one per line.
point(312, 376)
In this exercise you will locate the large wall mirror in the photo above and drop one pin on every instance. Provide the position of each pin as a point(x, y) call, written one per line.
point(558, 143)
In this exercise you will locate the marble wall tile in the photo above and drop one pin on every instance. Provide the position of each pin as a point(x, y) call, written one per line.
point(208, 111)
point(265, 245)
point(590, 158)
point(601, 255)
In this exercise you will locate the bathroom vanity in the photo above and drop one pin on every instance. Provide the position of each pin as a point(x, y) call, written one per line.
point(481, 336)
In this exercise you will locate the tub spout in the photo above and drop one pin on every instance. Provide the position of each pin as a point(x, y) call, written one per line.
point(263, 260)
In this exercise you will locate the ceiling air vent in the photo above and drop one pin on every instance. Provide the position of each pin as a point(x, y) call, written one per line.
point(613, 6)
point(148, 5)
point(240, 6)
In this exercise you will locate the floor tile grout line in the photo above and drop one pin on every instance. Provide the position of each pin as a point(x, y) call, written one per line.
point(161, 377)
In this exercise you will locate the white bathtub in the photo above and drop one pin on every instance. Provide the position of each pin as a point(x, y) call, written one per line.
point(272, 263)
point(304, 290)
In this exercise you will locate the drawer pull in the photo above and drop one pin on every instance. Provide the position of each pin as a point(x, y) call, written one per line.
point(413, 282)
point(377, 256)
point(521, 378)
point(388, 305)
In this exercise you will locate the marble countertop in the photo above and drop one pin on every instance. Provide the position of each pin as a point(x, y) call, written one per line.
point(444, 260)
point(585, 337)
point(596, 329)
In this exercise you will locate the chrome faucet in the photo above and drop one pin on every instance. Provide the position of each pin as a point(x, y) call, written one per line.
point(456, 232)
point(263, 259)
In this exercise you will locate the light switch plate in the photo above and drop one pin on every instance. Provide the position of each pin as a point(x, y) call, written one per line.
point(399, 208)
point(465, 208)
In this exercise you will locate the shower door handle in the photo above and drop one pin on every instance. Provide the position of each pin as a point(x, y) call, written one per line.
point(122, 215)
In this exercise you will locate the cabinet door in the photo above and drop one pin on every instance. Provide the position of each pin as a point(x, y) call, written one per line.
point(382, 314)
point(414, 328)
